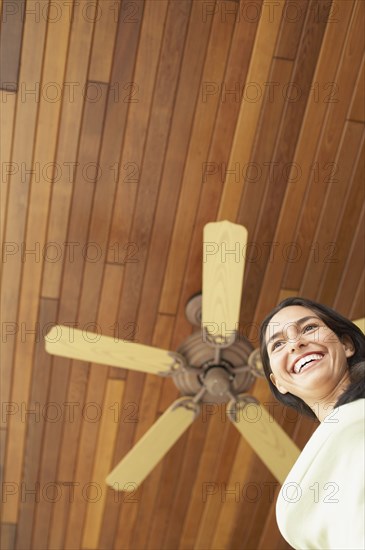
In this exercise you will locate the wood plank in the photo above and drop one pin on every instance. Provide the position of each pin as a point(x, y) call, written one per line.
point(7, 110)
point(2, 449)
point(108, 308)
point(327, 147)
point(211, 509)
point(173, 167)
point(128, 169)
point(358, 307)
point(231, 494)
point(256, 502)
point(8, 535)
point(357, 109)
point(217, 439)
point(332, 210)
point(353, 272)
point(12, 25)
point(102, 465)
point(80, 214)
point(293, 18)
point(19, 184)
point(313, 121)
point(258, 72)
point(203, 126)
point(346, 226)
point(126, 45)
point(158, 132)
point(172, 464)
point(67, 146)
point(261, 176)
point(283, 153)
point(141, 510)
point(51, 451)
point(35, 422)
point(105, 31)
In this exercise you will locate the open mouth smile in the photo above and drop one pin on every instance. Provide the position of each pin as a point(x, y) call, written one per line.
point(306, 361)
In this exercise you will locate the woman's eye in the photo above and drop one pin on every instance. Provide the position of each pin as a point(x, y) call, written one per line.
point(276, 344)
point(310, 327)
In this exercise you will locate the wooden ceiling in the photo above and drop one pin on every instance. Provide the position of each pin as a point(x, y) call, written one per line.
point(126, 126)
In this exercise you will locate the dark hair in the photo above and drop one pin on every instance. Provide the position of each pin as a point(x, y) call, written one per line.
point(341, 327)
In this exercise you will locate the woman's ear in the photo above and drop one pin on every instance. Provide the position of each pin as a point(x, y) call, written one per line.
point(280, 388)
point(348, 345)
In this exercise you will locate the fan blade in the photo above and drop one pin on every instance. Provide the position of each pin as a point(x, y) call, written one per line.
point(106, 350)
point(223, 266)
point(360, 323)
point(153, 445)
point(269, 441)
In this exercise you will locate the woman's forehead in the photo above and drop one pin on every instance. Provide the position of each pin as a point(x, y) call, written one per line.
point(287, 316)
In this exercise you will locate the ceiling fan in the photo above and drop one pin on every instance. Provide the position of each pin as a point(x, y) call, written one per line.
point(215, 365)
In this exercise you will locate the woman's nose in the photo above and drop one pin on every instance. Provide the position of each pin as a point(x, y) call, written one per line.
point(298, 343)
point(295, 338)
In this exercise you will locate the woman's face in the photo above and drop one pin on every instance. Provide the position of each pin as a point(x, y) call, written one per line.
point(307, 358)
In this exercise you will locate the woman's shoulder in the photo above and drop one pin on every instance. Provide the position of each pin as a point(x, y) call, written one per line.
point(342, 418)
point(325, 485)
point(335, 446)
point(342, 424)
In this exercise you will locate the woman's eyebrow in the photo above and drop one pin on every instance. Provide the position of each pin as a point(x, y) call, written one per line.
point(298, 322)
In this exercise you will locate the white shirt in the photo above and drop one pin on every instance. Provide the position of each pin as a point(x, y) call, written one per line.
point(321, 503)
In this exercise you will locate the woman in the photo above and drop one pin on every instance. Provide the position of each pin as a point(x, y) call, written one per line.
point(313, 359)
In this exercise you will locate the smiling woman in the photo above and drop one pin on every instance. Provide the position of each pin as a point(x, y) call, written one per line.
point(297, 327)
point(313, 359)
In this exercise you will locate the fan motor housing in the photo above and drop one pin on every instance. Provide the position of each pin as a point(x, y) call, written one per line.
point(219, 379)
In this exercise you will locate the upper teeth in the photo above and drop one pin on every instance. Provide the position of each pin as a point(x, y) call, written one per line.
point(301, 362)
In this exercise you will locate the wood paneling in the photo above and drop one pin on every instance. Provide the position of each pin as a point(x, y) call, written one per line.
point(203, 126)
point(304, 158)
point(12, 21)
point(245, 132)
point(128, 126)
